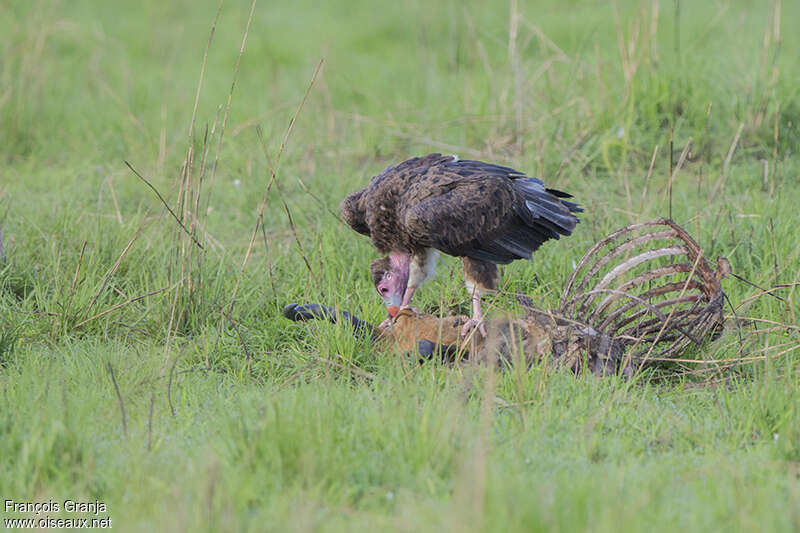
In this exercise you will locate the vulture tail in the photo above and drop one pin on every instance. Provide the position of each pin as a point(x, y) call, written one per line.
point(545, 210)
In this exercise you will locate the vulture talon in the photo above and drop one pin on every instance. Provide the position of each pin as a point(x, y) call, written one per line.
point(471, 324)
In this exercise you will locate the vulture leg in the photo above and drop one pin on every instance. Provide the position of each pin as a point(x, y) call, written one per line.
point(407, 296)
point(477, 317)
point(479, 277)
point(407, 300)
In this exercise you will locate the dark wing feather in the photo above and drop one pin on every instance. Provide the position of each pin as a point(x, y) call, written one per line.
point(545, 208)
point(382, 189)
point(486, 212)
point(454, 221)
point(353, 212)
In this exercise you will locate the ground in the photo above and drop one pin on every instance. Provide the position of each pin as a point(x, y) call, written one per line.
point(140, 371)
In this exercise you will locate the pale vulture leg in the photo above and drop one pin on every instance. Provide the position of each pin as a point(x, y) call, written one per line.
point(407, 296)
point(479, 277)
point(477, 314)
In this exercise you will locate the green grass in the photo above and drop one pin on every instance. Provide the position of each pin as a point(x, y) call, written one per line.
point(282, 426)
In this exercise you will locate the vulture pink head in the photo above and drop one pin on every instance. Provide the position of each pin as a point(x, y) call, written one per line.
point(390, 276)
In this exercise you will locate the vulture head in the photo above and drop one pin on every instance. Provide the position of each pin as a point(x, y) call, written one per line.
point(390, 277)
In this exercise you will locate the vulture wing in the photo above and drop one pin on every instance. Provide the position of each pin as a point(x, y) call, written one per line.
point(353, 212)
point(484, 211)
point(358, 209)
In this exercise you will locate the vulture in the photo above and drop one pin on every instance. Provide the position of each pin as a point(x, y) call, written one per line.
point(486, 214)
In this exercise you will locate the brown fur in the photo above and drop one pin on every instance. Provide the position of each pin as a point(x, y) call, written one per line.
point(510, 340)
point(407, 328)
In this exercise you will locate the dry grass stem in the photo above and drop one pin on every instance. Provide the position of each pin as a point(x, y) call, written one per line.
point(165, 204)
point(113, 270)
point(74, 284)
point(272, 180)
point(119, 398)
point(120, 305)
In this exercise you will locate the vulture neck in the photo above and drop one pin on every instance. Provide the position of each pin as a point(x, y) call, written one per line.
point(400, 262)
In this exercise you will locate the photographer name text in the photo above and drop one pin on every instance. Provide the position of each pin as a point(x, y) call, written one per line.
point(43, 510)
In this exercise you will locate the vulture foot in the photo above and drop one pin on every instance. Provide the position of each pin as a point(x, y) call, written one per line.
point(471, 324)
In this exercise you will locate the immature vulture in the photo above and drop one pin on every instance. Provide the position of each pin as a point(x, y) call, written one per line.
point(486, 214)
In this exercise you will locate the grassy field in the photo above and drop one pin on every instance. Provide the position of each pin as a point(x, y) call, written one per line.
point(160, 379)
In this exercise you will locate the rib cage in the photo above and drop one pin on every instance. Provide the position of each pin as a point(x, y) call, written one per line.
point(649, 287)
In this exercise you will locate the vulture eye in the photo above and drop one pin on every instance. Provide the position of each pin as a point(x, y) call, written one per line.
point(388, 275)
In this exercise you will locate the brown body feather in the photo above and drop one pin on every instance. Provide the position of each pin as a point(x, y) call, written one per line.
point(482, 273)
point(421, 203)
